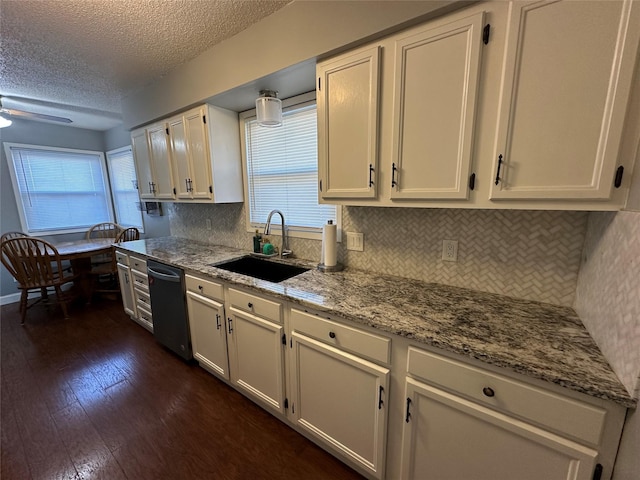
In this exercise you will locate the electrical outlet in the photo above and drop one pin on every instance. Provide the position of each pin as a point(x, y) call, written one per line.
point(208, 223)
point(450, 250)
point(355, 241)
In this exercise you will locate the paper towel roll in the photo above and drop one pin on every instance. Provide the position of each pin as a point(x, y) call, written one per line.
point(329, 244)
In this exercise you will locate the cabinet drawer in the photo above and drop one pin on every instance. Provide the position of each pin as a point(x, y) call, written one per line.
point(353, 340)
point(256, 305)
point(574, 418)
point(140, 281)
point(142, 299)
point(122, 258)
point(145, 315)
point(138, 263)
point(206, 288)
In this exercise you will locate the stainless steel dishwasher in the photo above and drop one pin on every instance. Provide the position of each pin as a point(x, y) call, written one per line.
point(168, 305)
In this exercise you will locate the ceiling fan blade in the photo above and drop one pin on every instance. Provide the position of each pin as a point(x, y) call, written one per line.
point(31, 115)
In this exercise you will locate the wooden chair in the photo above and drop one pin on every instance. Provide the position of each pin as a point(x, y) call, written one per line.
point(36, 265)
point(10, 235)
point(105, 276)
point(104, 230)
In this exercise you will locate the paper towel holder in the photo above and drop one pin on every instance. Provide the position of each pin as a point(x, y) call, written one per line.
point(329, 268)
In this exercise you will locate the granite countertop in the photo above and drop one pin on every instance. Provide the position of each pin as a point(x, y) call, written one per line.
point(540, 340)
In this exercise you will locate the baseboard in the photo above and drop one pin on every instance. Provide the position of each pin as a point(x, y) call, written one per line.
point(15, 297)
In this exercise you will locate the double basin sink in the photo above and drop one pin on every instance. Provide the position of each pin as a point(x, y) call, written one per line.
point(260, 268)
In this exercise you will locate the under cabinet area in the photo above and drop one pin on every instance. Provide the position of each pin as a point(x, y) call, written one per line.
point(193, 156)
point(338, 394)
point(464, 422)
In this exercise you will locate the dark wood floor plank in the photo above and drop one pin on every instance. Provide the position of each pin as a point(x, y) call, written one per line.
point(95, 396)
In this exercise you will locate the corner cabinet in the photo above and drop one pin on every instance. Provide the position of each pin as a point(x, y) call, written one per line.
point(565, 90)
point(340, 388)
point(347, 99)
point(193, 157)
point(437, 71)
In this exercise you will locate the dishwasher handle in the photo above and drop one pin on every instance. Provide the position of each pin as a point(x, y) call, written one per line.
point(166, 276)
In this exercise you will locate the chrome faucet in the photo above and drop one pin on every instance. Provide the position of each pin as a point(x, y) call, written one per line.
point(284, 250)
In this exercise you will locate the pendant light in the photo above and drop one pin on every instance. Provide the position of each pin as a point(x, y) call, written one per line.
point(269, 109)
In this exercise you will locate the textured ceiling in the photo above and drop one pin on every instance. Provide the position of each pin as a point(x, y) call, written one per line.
point(76, 58)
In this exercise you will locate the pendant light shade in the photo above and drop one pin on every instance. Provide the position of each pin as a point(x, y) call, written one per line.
point(269, 109)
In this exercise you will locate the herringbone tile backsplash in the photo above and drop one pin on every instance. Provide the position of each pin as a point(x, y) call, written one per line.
point(527, 254)
point(608, 291)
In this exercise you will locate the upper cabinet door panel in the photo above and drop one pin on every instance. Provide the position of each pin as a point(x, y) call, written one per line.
point(180, 155)
point(435, 91)
point(199, 153)
point(161, 160)
point(347, 97)
point(565, 87)
point(142, 158)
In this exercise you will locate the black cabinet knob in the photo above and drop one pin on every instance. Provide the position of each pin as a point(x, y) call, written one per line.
point(332, 335)
point(250, 305)
point(488, 391)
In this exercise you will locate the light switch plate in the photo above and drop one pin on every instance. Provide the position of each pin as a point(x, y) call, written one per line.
point(355, 241)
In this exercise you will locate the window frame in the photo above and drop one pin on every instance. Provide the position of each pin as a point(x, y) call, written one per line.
point(16, 190)
point(313, 233)
point(117, 151)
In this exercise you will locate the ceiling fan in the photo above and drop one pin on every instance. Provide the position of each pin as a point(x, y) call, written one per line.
point(30, 115)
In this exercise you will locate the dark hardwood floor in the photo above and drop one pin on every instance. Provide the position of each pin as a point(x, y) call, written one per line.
point(96, 397)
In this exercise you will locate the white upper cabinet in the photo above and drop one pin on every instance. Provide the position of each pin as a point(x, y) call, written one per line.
point(435, 95)
point(347, 98)
point(565, 90)
point(193, 156)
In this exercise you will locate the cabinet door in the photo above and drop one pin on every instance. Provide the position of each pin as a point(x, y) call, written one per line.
point(126, 288)
point(161, 161)
point(448, 437)
point(565, 87)
point(142, 157)
point(342, 400)
point(256, 357)
point(208, 335)
point(180, 156)
point(347, 98)
point(435, 93)
point(200, 159)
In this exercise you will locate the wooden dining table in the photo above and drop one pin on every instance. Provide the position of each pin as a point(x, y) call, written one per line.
point(79, 253)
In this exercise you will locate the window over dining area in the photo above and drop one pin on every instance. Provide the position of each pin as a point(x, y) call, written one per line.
point(59, 190)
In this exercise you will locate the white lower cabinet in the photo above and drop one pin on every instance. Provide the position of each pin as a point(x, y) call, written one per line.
point(256, 350)
point(134, 287)
point(449, 437)
point(339, 397)
point(126, 289)
point(207, 325)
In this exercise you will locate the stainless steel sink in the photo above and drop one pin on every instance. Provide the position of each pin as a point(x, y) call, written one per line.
point(263, 269)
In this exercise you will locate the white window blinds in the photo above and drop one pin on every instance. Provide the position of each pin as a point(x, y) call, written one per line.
point(59, 190)
point(122, 176)
point(282, 171)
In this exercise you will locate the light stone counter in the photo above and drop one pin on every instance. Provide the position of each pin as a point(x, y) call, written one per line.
point(543, 341)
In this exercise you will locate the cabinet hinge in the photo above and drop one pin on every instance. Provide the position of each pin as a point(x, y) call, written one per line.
point(204, 119)
point(210, 188)
point(167, 130)
point(618, 180)
point(286, 403)
point(485, 33)
point(284, 339)
point(472, 181)
point(174, 191)
point(320, 184)
point(597, 472)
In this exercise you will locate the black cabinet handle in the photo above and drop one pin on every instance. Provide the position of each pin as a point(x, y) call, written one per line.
point(217, 322)
point(370, 175)
point(229, 320)
point(488, 391)
point(408, 416)
point(393, 175)
point(200, 287)
point(250, 305)
point(499, 166)
point(380, 402)
point(332, 335)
